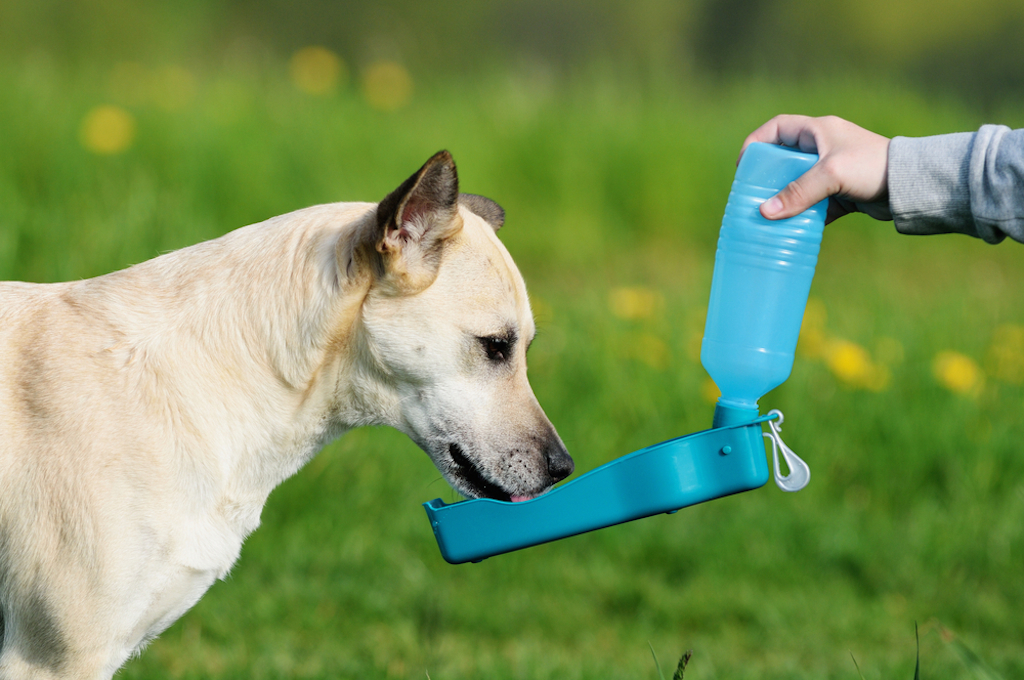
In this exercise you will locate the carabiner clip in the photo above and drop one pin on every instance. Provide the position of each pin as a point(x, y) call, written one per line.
point(799, 474)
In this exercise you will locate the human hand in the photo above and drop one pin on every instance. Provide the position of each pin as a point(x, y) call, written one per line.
point(852, 167)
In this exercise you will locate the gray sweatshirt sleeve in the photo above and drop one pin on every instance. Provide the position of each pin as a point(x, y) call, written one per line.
point(969, 182)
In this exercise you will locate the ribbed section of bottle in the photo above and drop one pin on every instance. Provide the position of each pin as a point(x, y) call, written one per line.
point(772, 244)
point(762, 278)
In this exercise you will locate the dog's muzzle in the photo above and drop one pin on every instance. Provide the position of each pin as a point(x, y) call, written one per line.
point(471, 476)
point(559, 466)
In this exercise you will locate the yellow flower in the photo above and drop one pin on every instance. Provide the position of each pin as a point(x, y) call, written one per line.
point(958, 373)
point(387, 85)
point(852, 364)
point(634, 303)
point(849, 361)
point(316, 70)
point(107, 130)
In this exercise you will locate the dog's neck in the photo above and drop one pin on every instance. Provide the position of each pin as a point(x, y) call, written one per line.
point(263, 321)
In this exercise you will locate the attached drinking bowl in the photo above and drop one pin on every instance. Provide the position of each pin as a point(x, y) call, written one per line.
point(658, 479)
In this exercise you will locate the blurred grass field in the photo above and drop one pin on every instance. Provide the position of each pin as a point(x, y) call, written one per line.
point(905, 399)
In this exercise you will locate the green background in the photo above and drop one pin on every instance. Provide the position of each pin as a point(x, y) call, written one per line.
point(608, 131)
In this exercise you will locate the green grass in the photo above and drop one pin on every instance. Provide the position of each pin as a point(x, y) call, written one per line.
point(914, 510)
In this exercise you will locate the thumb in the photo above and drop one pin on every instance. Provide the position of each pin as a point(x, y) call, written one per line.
point(810, 188)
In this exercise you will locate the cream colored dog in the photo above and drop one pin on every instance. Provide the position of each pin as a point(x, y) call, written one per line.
point(145, 415)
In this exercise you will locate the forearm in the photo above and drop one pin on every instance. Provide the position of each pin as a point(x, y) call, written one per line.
point(969, 183)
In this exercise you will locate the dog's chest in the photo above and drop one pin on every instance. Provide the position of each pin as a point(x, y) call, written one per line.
point(180, 589)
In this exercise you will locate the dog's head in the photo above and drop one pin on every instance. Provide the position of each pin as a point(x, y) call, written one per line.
point(445, 329)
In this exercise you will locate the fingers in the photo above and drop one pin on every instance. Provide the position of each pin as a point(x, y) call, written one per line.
point(813, 186)
point(789, 130)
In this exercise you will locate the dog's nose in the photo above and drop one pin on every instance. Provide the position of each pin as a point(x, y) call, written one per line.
point(560, 463)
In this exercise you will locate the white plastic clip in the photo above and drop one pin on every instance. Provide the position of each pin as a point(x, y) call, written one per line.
point(799, 474)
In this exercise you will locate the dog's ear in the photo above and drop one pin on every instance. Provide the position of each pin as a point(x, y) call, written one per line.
point(415, 220)
point(424, 203)
point(492, 213)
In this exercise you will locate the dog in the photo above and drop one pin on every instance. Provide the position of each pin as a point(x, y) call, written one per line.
point(145, 415)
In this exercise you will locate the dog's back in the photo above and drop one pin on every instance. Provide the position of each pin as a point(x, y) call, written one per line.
point(121, 398)
point(97, 436)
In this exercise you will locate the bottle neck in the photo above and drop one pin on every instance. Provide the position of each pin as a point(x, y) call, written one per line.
point(727, 415)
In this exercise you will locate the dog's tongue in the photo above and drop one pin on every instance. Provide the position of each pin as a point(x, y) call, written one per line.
point(520, 499)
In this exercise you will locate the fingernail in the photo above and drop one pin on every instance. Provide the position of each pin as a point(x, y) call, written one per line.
point(772, 206)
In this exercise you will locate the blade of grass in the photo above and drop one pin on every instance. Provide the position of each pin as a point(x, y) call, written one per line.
point(681, 667)
point(857, 666)
point(917, 664)
point(656, 662)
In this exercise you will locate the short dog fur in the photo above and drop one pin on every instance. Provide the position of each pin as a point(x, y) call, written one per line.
point(146, 415)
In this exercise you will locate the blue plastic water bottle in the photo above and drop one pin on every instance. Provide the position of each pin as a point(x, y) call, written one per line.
point(762, 277)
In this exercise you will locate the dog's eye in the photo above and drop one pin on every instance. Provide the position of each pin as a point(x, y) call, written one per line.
point(497, 349)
